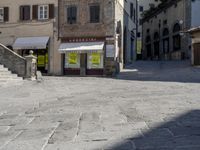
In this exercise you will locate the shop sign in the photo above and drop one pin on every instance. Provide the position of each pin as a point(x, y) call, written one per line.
point(110, 51)
point(72, 58)
point(96, 58)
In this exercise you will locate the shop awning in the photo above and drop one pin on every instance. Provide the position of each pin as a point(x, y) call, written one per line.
point(31, 43)
point(81, 47)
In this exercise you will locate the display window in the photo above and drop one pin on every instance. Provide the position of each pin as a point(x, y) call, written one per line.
point(72, 60)
point(95, 60)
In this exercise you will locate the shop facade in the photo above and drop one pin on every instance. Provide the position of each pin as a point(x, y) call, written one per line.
point(84, 56)
point(40, 48)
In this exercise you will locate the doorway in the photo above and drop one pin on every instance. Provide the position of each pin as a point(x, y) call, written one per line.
point(196, 54)
point(83, 64)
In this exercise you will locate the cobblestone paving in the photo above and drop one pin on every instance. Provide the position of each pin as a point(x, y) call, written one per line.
point(149, 106)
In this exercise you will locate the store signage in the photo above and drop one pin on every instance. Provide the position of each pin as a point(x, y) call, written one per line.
point(92, 39)
point(72, 58)
point(110, 51)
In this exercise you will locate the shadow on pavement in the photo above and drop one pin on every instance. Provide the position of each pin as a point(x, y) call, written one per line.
point(164, 71)
point(181, 133)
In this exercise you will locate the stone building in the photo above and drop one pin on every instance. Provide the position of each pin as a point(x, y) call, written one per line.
point(143, 6)
point(31, 25)
point(97, 36)
point(162, 26)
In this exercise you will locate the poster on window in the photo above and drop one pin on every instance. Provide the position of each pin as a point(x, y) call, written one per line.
point(72, 58)
point(41, 60)
point(96, 59)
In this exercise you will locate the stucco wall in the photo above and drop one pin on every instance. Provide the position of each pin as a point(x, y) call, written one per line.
point(15, 28)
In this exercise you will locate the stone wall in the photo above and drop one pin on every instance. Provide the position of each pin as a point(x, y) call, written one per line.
point(167, 18)
point(12, 61)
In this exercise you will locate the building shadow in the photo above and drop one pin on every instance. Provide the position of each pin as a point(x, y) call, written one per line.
point(181, 133)
point(164, 71)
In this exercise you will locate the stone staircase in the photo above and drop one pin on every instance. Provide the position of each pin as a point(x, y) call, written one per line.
point(7, 76)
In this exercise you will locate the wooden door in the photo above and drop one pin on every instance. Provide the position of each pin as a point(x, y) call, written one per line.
point(197, 54)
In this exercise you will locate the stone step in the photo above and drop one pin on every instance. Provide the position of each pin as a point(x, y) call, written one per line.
point(7, 75)
point(4, 69)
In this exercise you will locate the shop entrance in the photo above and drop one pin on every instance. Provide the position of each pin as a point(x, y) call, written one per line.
point(42, 58)
point(83, 64)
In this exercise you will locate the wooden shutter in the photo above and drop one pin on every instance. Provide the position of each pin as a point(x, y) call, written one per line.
point(35, 12)
point(51, 11)
point(6, 14)
point(74, 14)
point(21, 13)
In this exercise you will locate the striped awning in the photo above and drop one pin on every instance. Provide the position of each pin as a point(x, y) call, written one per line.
point(31, 43)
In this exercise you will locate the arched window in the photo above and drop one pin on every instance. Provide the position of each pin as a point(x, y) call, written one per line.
point(156, 36)
point(148, 46)
point(156, 44)
point(166, 40)
point(165, 32)
point(176, 37)
point(148, 39)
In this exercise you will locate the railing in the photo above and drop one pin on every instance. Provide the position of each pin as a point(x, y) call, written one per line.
point(23, 67)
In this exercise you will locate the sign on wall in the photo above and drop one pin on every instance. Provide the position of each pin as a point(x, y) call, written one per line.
point(110, 51)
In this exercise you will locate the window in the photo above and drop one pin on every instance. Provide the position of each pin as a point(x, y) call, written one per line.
point(1, 15)
point(141, 8)
point(94, 13)
point(176, 37)
point(166, 40)
point(131, 10)
point(43, 12)
point(24, 12)
point(4, 14)
point(71, 14)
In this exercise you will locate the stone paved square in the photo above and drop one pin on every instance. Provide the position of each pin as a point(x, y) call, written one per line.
point(148, 106)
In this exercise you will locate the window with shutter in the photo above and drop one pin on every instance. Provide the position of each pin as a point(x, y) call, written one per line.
point(71, 14)
point(24, 13)
point(1, 15)
point(43, 12)
point(94, 13)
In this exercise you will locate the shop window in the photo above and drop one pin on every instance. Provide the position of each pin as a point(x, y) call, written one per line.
point(71, 14)
point(72, 60)
point(95, 61)
point(95, 13)
point(176, 37)
point(43, 12)
point(24, 13)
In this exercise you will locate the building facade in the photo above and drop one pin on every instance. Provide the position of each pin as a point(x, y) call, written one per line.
point(95, 35)
point(143, 6)
point(195, 35)
point(162, 37)
point(31, 25)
